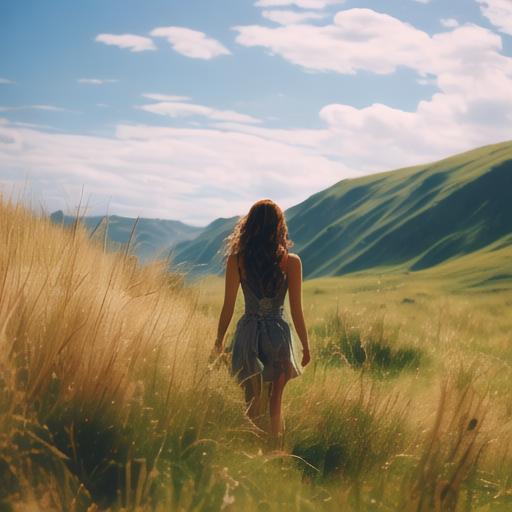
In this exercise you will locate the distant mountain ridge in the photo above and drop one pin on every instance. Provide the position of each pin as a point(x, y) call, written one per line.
point(201, 255)
point(153, 238)
point(409, 219)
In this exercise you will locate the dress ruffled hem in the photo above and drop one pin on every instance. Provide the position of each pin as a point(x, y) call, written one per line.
point(263, 345)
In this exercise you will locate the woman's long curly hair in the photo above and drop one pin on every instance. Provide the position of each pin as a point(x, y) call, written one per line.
point(261, 240)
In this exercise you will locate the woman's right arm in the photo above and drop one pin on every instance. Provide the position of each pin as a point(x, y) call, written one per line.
point(295, 296)
point(231, 284)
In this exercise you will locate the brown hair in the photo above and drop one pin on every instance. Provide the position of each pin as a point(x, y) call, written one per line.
point(261, 239)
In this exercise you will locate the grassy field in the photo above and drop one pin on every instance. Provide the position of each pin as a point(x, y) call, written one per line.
point(107, 398)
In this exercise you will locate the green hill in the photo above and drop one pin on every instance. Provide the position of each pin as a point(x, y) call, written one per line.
point(201, 255)
point(488, 270)
point(409, 219)
point(153, 238)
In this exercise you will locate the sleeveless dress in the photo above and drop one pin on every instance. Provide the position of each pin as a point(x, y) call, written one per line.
point(263, 342)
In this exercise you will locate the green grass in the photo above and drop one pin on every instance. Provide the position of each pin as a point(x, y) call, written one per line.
point(341, 341)
point(401, 338)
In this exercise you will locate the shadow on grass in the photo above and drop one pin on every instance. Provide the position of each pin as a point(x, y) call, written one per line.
point(350, 434)
point(340, 340)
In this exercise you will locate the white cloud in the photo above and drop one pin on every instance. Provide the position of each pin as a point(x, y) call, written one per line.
point(423, 1)
point(304, 4)
point(34, 125)
point(177, 109)
point(5, 81)
point(363, 39)
point(133, 42)
point(163, 172)
point(357, 39)
point(47, 108)
point(166, 171)
point(426, 81)
point(191, 43)
point(95, 81)
point(165, 97)
point(449, 22)
point(472, 105)
point(499, 13)
point(291, 17)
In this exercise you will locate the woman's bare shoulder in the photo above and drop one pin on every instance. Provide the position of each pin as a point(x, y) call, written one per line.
point(294, 257)
point(294, 261)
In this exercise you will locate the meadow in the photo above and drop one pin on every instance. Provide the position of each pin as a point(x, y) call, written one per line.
point(108, 400)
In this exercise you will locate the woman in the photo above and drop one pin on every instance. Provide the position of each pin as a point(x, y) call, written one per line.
point(262, 349)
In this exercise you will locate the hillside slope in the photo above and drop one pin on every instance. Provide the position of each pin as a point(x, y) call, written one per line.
point(409, 219)
point(152, 237)
point(487, 270)
point(412, 218)
point(202, 255)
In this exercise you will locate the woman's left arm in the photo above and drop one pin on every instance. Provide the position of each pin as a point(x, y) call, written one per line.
point(230, 291)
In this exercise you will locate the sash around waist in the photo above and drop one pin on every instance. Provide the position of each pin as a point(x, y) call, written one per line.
point(262, 315)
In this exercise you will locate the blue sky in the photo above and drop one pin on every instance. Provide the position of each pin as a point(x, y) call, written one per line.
point(194, 110)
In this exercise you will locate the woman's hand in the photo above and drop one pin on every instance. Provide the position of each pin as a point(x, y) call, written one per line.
point(306, 356)
point(218, 355)
point(216, 352)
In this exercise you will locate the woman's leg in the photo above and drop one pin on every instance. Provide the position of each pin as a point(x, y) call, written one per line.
point(276, 420)
point(253, 396)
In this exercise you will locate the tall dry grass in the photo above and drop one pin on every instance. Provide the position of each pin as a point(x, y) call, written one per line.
point(107, 360)
point(107, 400)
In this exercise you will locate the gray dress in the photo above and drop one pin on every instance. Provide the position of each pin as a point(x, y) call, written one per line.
point(262, 342)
